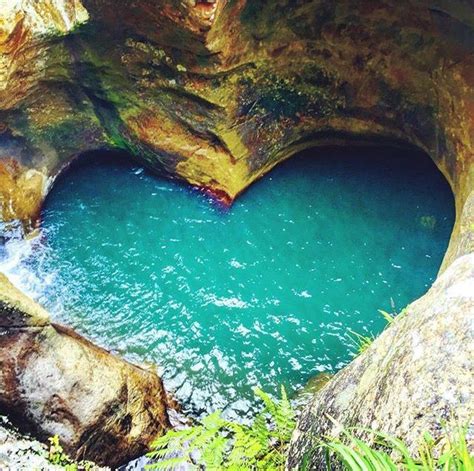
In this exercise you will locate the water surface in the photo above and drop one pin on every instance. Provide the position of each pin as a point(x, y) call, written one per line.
point(261, 294)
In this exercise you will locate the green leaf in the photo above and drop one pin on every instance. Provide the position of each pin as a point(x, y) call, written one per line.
point(388, 317)
point(213, 455)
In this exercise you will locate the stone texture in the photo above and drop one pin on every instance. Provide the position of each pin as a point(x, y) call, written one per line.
point(55, 382)
point(17, 310)
point(218, 94)
point(415, 376)
point(20, 452)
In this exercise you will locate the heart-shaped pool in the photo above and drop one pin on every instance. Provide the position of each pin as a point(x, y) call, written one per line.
point(263, 293)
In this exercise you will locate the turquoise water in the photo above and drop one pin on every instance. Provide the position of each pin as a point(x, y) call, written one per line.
point(261, 294)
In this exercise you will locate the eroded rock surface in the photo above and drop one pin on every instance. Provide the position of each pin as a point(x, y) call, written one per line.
point(218, 92)
point(19, 452)
point(54, 382)
point(416, 376)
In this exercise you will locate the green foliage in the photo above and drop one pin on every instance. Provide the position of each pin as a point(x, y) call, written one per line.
point(359, 341)
point(56, 453)
point(58, 457)
point(448, 453)
point(388, 317)
point(216, 443)
point(363, 342)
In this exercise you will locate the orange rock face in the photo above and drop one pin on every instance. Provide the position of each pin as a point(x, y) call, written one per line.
point(231, 88)
point(21, 192)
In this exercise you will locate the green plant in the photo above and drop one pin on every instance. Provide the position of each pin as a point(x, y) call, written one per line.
point(359, 341)
point(217, 443)
point(388, 317)
point(58, 457)
point(363, 342)
point(447, 453)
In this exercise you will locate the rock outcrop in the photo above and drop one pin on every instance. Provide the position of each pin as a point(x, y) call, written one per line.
point(416, 376)
point(218, 92)
point(55, 382)
point(21, 452)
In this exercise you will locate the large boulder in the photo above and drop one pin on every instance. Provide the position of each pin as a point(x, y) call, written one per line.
point(55, 382)
point(416, 377)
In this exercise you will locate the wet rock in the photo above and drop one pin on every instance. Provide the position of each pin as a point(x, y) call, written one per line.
point(17, 310)
point(414, 378)
point(312, 386)
point(21, 452)
point(216, 93)
point(55, 382)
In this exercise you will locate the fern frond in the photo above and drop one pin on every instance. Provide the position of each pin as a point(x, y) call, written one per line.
point(160, 453)
point(172, 435)
point(260, 429)
point(218, 444)
point(202, 439)
point(270, 406)
point(213, 455)
point(284, 417)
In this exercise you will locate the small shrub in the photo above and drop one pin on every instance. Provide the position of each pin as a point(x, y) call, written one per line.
point(391, 454)
point(58, 457)
point(217, 443)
